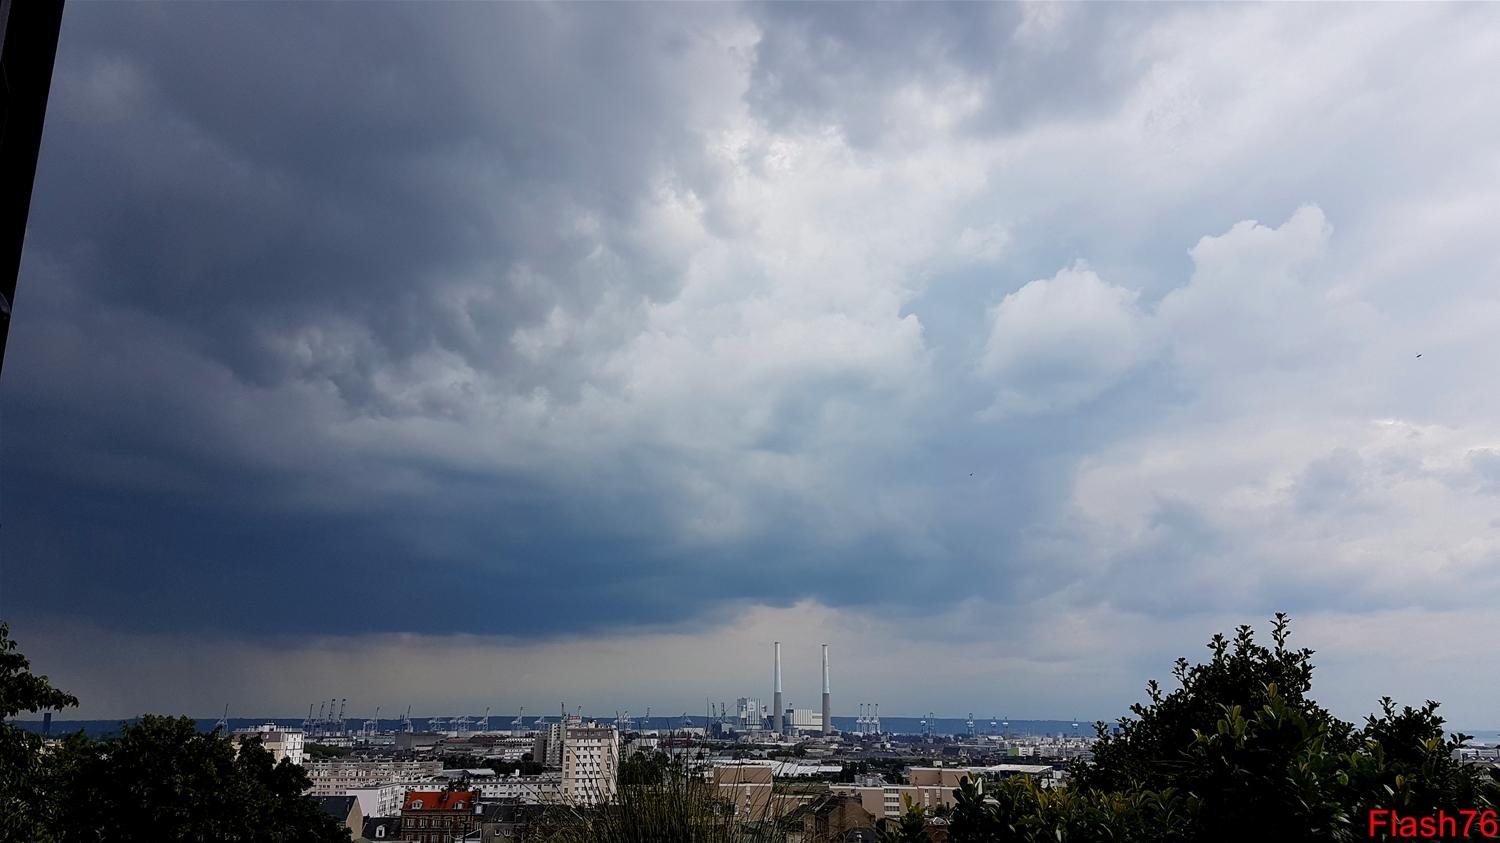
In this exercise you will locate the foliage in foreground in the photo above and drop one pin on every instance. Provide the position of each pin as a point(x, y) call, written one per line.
point(1238, 751)
point(21, 759)
point(910, 828)
point(159, 780)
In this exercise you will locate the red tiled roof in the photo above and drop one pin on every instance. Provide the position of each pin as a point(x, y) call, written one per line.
point(438, 800)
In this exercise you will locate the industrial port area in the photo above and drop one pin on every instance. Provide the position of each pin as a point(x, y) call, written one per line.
point(763, 759)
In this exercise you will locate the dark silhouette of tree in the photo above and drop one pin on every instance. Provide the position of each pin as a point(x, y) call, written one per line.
point(163, 780)
point(643, 768)
point(22, 799)
point(159, 780)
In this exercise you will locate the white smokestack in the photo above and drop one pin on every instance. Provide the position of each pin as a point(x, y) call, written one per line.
point(827, 703)
point(776, 694)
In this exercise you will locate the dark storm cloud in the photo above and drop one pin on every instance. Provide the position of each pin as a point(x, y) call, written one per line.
point(246, 215)
point(249, 225)
point(241, 171)
point(576, 314)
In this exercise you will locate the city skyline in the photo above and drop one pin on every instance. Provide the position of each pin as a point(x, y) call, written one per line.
point(501, 354)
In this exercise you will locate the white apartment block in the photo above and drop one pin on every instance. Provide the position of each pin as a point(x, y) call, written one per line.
point(590, 764)
point(339, 777)
point(281, 742)
point(545, 789)
point(378, 800)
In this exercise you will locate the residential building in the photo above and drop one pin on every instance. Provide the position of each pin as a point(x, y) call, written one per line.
point(437, 816)
point(339, 776)
point(547, 745)
point(280, 741)
point(379, 800)
point(381, 828)
point(544, 789)
point(831, 816)
point(590, 764)
point(346, 810)
point(748, 785)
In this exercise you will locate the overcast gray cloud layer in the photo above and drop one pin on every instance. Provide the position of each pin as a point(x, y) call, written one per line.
point(1035, 341)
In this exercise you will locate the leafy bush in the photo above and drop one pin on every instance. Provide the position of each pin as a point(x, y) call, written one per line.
point(1238, 751)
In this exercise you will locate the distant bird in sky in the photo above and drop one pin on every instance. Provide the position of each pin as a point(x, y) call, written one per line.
point(1419, 355)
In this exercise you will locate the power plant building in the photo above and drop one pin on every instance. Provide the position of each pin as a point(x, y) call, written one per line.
point(805, 719)
point(750, 713)
point(784, 719)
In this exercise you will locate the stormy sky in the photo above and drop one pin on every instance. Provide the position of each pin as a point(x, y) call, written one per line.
point(482, 355)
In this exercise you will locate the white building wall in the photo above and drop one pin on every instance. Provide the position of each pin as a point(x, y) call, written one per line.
point(279, 741)
point(382, 800)
point(591, 765)
point(530, 790)
point(806, 718)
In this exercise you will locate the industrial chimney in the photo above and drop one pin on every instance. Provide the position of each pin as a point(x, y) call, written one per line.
point(827, 706)
point(776, 694)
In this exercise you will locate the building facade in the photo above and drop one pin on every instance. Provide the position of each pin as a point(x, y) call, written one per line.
point(590, 764)
point(339, 776)
point(379, 800)
point(748, 786)
point(831, 816)
point(437, 816)
point(280, 741)
point(545, 789)
point(805, 719)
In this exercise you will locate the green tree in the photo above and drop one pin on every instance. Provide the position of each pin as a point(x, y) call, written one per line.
point(163, 780)
point(23, 803)
point(1152, 749)
point(159, 780)
point(321, 752)
point(911, 828)
point(643, 768)
point(1239, 748)
point(1021, 809)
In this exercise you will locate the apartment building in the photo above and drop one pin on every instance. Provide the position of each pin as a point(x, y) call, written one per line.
point(379, 800)
point(280, 741)
point(544, 789)
point(749, 786)
point(437, 816)
point(338, 777)
point(590, 764)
